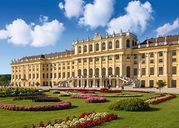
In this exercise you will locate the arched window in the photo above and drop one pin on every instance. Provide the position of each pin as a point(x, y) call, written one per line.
point(97, 72)
point(79, 49)
point(127, 43)
point(85, 72)
point(117, 43)
point(103, 72)
point(97, 47)
point(90, 47)
point(110, 71)
point(79, 72)
point(90, 72)
point(109, 45)
point(85, 48)
point(103, 46)
point(117, 71)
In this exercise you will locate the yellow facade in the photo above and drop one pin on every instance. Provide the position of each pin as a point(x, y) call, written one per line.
point(103, 61)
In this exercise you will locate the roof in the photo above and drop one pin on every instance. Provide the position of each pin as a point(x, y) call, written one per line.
point(171, 38)
point(56, 54)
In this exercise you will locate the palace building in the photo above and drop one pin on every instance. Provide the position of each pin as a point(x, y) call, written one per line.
point(103, 61)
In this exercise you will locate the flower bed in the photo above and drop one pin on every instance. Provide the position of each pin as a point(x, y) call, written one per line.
point(5, 92)
point(85, 120)
point(38, 98)
point(57, 106)
point(104, 90)
point(123, 95)
point(90, 98)
point(160, 99)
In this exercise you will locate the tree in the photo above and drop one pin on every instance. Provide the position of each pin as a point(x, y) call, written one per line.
point(160, 85)
point(4, 81)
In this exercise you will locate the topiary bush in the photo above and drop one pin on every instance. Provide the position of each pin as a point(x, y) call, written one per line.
point(130, 104)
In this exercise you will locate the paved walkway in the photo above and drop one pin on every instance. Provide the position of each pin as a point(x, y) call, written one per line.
point(164, 90)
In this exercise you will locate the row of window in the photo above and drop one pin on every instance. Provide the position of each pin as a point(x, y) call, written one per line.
point(152, 70)
point(151, 83)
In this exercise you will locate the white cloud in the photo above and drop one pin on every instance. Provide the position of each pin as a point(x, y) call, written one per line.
point(72, 8)
point(167, 28)
point(135, 20)
point(97, 14)
point(46, 34)
point(43, 19)
point(21, 33)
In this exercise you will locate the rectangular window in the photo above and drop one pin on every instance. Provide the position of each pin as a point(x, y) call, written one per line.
point(135, 62)
point(143, 71)
point(160, 60)
point(151, 71)
point(135, 71)
point(152, 61)
point(174, 84)
point(160, 70)
point(128, 56)
point(174, 52)
point(174, 70)
point(103, 58)
point(174, 59)
point(116, 57)
point(151, 83)
point(143, 55)
point(109, 57)
point(160, 53)
point(142, 83)
point(143, 62)
point(135, 56)
point(151, 54)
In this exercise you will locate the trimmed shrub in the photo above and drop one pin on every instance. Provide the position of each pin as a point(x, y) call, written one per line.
point(130, 104)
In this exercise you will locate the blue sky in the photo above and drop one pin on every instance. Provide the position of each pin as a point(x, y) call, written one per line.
point(69, 23)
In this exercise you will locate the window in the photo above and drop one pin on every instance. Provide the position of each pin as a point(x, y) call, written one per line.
point(174, 53)
point(151, 71)
point(79, 72)
point(85, 48)
point(110, 71)
point(135, 72)
point(117, 43)
point(151, 54)
point(85, 72)
point(90, 59)
point(143, 62)
point(85, 60)
point(79, 49)
point(97, 47)
point(117, 71)
point(160, 53)
point(97, 72)
point(103, 58)
point(103, 46)
point(79, 60)
point(152, 61)
point(143, 55)
point(135, 62)
point(103, 72)
point(143, 71)
point(110, 45)
point(174, 60)
point(174, 84)
point(127, 43)
point(109, 57)
point(96, 58)
point(160, 70)
point(128, 56)
point(160, 60)
point(135, 56)
point(174, 70)
point(116, 57)
point(142, 82)
point(90, 72)
point(151, 83)
point(90, 47)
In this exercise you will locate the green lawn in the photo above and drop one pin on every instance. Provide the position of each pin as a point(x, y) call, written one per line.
point(165, 115)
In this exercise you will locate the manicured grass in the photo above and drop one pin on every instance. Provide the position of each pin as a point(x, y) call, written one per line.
point(164, 115)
